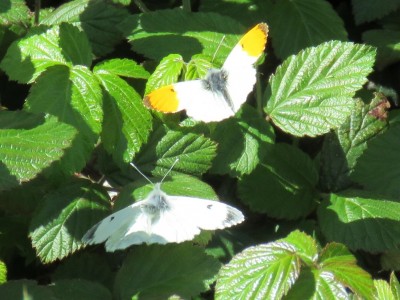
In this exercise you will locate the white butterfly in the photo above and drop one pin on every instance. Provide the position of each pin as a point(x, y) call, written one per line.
point(161, 219)
point(223, 91)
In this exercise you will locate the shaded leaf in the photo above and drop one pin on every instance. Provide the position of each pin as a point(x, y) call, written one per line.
point(44, 47)
point(247, 12)
point(29, 144)
point(283, 186)
point(160, 33)
point(368, 10)
point(98, 19)
point(28, 289)
point(74, 96)
point(63, 218)
point(361, 221)
point(378, 169)
point(79, 289)
point(388, 44)
point(162, 274)
point(342, 148)
point(127, 123)
point(243, 142)
point(88, 266)
point(307, 23)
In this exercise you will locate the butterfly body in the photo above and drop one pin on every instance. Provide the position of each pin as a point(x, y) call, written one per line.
point(161, 219)
point(222, 92)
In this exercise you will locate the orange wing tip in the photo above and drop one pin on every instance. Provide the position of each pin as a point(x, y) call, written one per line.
point(163, 99)
point(254, 41)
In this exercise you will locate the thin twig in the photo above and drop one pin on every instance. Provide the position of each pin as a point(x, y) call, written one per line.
point(37, 11)
point(142, 7)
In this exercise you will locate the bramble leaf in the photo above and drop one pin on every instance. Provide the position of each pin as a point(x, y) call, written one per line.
point(165, 275)
point(307, 23)
point(64, 217)
point(311, 92)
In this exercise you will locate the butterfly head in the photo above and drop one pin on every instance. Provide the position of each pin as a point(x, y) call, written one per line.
point(156, 202)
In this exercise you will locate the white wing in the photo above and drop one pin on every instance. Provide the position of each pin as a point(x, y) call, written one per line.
point(205, 214)
point(239, 64)
point(201, 104)
point(116, 223)
point(241, 76)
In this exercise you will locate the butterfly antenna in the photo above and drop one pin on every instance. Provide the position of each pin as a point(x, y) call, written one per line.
point(137, 169)
point(170, 169)
point(219, 45)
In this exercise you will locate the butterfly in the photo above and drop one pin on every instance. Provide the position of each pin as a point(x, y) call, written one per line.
point(223, 91)
point(161, 219)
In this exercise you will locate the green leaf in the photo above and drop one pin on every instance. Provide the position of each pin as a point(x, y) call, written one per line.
point(198, 67)
point(388, 44)
point(338, 260)
point(195, 153)
point(44, 47)
point(311, 93)
point(61, 290)
point(162, 274)
point(3, 273)
point(368, 10)
point(79, 289)
point(394, 285)
point(247, 12)
point(88, 266)
point(14, 13)
point(98, 19)
point(283, 186)
point(382, 290)
point(265, 271)
point(378, 169)
point(127, 123)
point(242, 143)
point(160, 33)
point(122, 67)
point(342, 148)
point(63, 218)
point(292, 268)
point(29, 144)
point(307, 23)
point(360, 221)
point(75, 45)
point(390, 260)
point(74, 96)
point(25, 290)
point(167, 72)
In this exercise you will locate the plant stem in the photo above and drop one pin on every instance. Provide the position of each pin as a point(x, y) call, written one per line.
point(186, 5)
point(142, 7)
point(37, 11)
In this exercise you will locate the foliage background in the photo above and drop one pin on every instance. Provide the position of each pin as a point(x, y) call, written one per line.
point(312, 158)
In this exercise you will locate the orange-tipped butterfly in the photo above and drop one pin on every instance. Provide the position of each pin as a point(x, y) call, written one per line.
point(223, 91)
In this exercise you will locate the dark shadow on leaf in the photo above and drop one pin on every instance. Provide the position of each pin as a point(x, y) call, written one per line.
point(7, 180)
point(304, 287)
point(334, 169)
point(99, 21)
point(186, 46)
point(113, 139)
point(374, 234)
point(5, 6)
